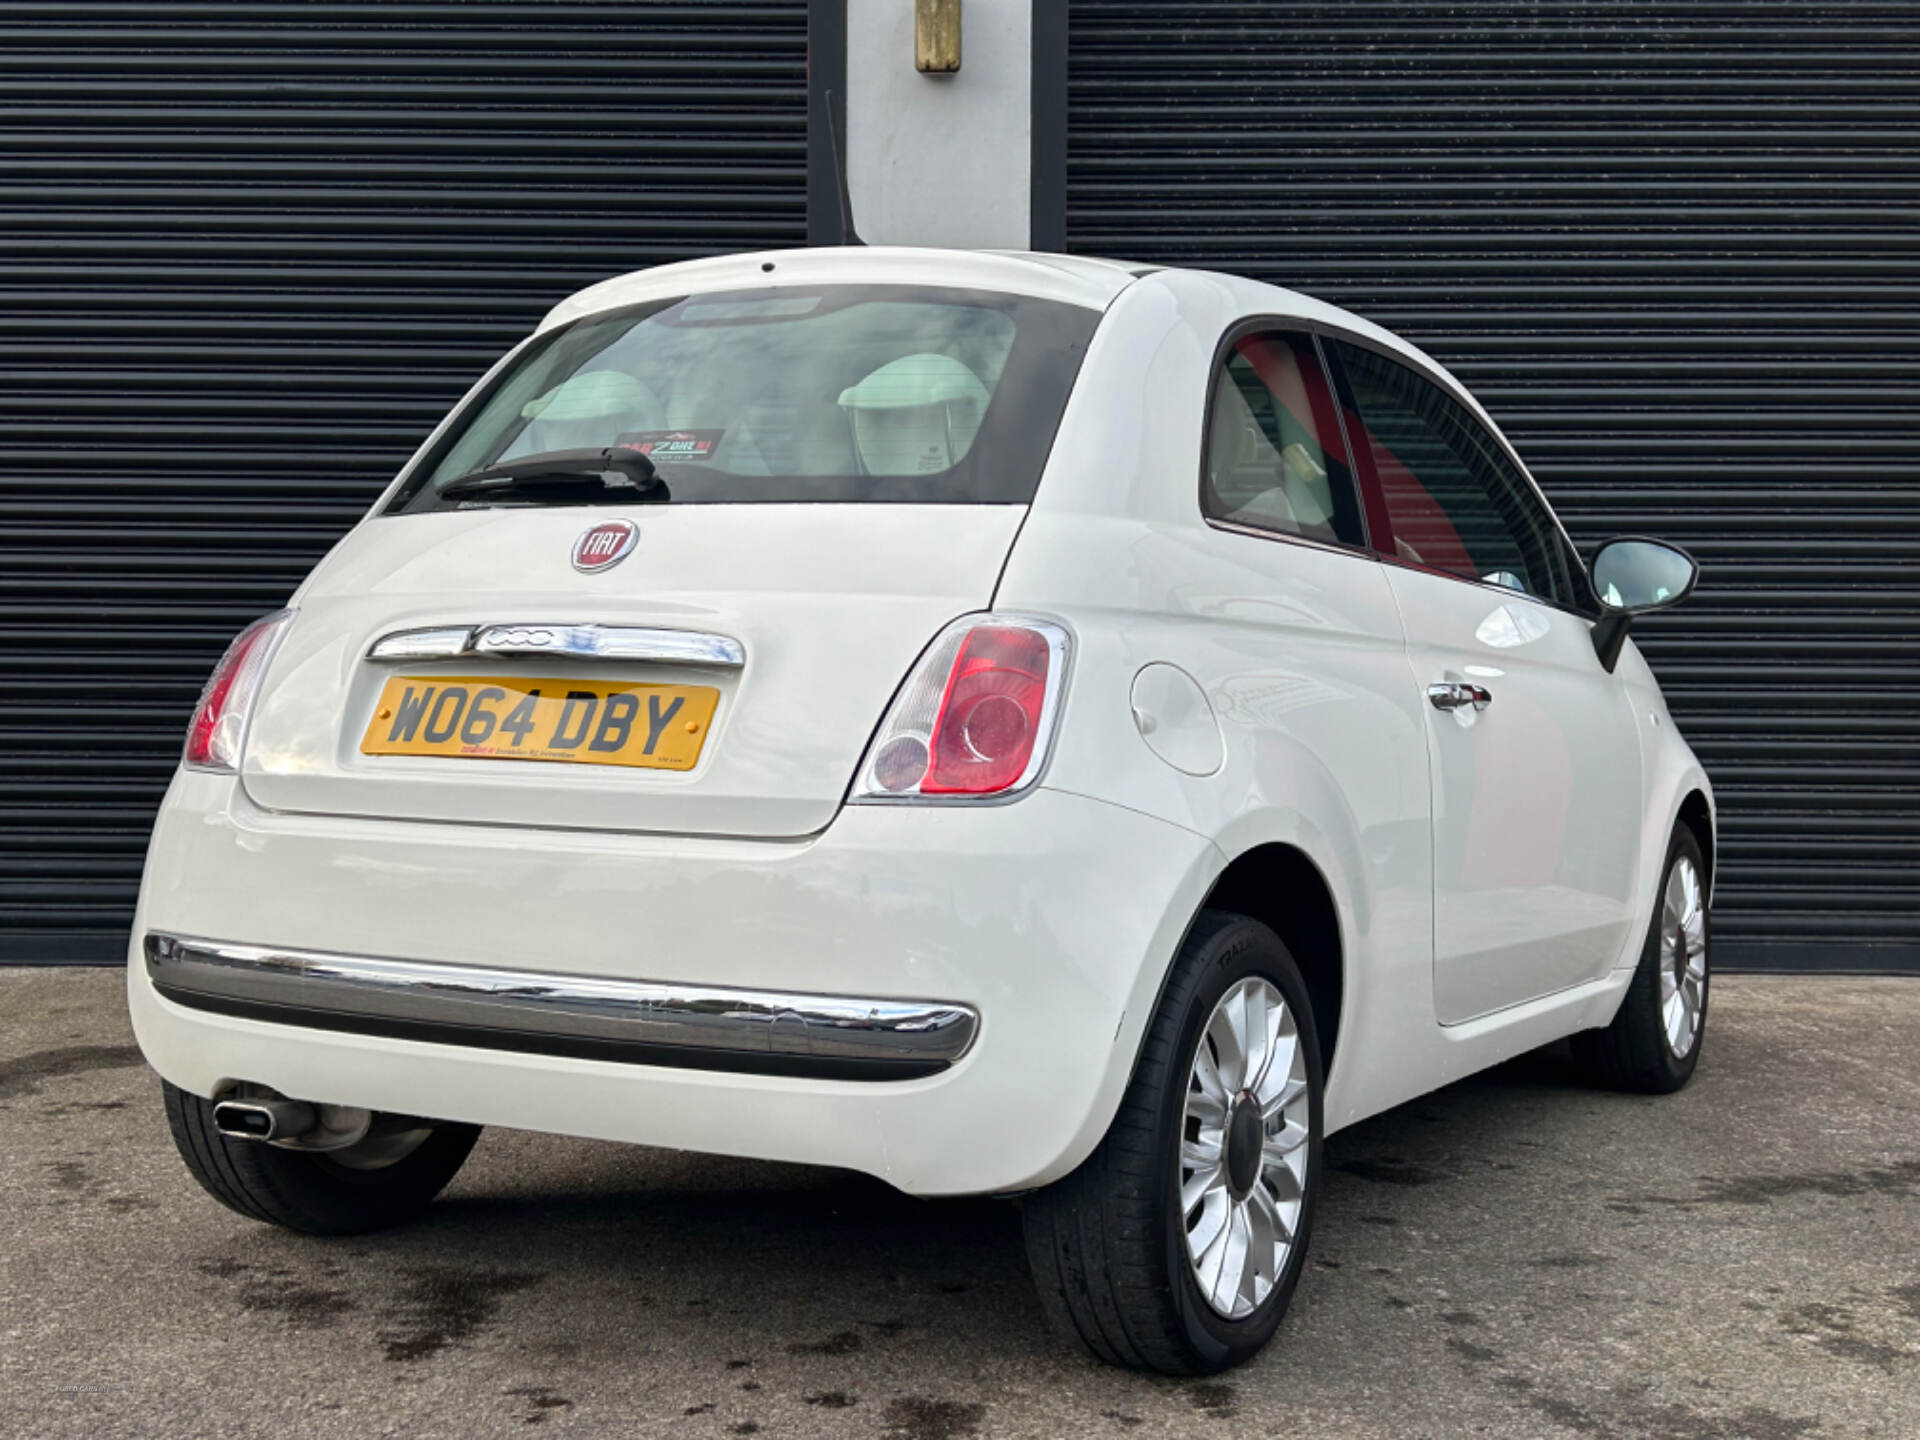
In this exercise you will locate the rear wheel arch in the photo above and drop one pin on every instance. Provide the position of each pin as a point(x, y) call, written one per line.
point(1696, 813)
point(1280, 886)
point(1113, 1243)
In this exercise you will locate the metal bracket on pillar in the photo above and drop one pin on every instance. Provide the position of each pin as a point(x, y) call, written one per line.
point(936, 36)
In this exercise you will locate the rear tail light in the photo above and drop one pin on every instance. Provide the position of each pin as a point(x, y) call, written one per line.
point(220, 719)
point(976, 716)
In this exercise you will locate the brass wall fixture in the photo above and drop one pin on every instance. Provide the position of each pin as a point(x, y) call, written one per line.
point(936, 36)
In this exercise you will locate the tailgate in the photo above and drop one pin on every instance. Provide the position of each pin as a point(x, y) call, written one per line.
point(828, 606)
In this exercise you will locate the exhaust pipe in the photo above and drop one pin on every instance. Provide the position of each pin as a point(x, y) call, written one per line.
point(273, 1119)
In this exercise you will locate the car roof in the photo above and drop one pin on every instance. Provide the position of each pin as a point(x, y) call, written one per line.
point(1069, 278)
point(1073, 279)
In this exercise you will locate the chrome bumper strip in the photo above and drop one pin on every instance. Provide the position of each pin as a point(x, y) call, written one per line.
point(639, 1021)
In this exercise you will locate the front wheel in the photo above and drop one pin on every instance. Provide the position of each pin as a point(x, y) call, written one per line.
point(1654, 1041)
point(1177, 1245)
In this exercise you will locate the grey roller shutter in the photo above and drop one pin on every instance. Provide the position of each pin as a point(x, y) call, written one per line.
point(249, 253)
point(1675, 248)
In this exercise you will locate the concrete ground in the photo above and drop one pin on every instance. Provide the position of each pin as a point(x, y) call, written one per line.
point(1514, 1256)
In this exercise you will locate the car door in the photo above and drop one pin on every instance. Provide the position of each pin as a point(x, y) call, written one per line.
point(1534, 756)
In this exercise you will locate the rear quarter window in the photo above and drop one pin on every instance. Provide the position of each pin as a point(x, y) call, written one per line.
point(1275, 457)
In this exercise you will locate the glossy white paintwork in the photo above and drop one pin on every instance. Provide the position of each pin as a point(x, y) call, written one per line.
point(1492, 878)
point(831, 602)
point(1536, 799)
point(1019, 910)
point(1305, 656)
point(1072, 279)
point(1176, 720)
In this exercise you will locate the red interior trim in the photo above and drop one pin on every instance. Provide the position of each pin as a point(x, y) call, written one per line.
point(1423, 523)
point(1366, 474)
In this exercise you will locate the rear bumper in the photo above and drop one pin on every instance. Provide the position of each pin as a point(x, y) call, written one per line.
point(699, 1027)
point(1047, 924)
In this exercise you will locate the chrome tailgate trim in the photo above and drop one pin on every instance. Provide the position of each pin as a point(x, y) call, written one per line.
point(567, 642)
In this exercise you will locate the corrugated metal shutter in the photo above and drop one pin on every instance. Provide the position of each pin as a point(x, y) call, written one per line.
point(1675, 248)
point(249, 253)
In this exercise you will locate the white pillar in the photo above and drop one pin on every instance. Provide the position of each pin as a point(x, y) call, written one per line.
point(941, 159)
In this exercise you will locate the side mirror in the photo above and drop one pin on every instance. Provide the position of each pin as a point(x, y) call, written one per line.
point(1633, 575)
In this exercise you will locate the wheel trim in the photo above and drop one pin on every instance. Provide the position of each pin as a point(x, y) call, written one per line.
point(381, 1149)
point(1683, 958)
point(1238, 1241)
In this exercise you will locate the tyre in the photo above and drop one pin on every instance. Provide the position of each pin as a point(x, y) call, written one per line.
point(1655, 1038)
point(384, 1179)
point(1177, 1245)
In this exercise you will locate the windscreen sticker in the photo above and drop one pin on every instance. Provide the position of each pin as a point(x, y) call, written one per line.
point(672, 444)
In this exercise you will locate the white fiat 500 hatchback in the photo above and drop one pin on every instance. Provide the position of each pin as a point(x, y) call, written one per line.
point(1008, 724)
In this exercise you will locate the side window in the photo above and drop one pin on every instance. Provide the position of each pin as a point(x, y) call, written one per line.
point(1456, 501)
point(1275, 459)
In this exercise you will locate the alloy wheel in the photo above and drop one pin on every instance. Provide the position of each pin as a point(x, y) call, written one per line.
point(1243, 1147)
point(1683, 958)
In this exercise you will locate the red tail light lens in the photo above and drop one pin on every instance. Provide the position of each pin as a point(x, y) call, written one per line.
point(990, 714)
point(975, 717)
point(220, 719)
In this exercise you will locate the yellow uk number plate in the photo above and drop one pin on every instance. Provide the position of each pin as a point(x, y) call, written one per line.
point(588, 722)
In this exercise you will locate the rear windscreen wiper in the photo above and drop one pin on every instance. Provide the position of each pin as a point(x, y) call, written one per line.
point(616, 467)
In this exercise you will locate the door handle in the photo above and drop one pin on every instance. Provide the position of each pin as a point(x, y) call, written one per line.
point(1453, 695)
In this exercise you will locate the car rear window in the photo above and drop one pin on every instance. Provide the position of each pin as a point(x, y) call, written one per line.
point(841, 393)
